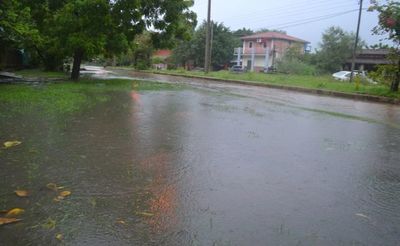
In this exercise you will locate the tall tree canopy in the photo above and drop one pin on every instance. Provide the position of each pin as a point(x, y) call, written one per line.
point(389, 23)
point(223, 44)
point(336, 47)
point(85, 28)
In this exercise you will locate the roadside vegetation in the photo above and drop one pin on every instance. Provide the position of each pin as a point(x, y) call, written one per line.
point(68, 97)
point(324, 82)
point(39, 73)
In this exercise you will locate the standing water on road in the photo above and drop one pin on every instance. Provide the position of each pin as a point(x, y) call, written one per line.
point(142, 163)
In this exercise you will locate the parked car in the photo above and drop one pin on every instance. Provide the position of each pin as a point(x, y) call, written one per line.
point(237, 69)
point(345, 76)
point(342, 75)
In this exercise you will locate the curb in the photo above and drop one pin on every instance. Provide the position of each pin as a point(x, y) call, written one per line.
point(360, 97)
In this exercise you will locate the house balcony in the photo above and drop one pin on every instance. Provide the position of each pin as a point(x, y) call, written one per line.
point(257, 51)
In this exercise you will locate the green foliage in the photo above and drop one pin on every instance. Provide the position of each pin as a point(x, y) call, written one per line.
point(68, 97)
point(270, 30)
point(305, 81)
point(384, 74)
point(57, 29)
point(389, 23)
point(295, 62)
point(243, 32)
point(336, 47)
point(84, 24)
point(222, 46)
point(295, 66)
point(389, 19)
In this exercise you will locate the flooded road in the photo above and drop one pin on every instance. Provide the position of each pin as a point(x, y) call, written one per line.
point(203, 164)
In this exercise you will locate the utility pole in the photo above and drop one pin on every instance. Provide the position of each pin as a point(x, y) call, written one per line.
point(211, 45)
point(208, 39)
point(353, 61)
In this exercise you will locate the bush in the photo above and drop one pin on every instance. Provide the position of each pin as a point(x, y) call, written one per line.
point(384, 74)
point(142, 65)
point(295, 66)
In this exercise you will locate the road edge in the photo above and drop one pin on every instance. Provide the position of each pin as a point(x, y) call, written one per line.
point(360, 97)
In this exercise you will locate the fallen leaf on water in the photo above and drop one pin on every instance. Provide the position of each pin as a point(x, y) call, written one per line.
point(145, 214)
point(50, 224)
point(10, 144)
point(362, 216)
point(59, 237)
point(15, 212)
point(4, 221)
point(52, 186)
point(22, 193)
point(121, 222)
point(65, 193)
point(57, 199)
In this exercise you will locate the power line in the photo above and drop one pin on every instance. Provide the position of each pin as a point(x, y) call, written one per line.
point(288, 10)
point(285, 14)
point(311, 20)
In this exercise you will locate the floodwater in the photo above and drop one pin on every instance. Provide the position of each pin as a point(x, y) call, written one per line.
point(209, 164)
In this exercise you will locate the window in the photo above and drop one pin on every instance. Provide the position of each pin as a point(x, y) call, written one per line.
point(250, 44)
point(265, 45)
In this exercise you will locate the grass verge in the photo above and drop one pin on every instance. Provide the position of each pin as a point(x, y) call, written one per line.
point(324, 82)
point(68, 97)
point(37, 73)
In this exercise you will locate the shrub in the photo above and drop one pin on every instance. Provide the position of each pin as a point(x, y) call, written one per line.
point(295, 66)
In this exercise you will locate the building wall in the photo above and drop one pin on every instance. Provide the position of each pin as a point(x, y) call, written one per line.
point(259, 63)
point(260, 49)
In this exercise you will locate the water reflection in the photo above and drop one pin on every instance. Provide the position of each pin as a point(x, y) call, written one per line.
point(201, 167)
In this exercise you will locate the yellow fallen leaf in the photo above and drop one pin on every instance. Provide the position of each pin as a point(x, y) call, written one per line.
point(146, 214)
point(58, 199)
point(65, 193)
point(15, 212)
point(59, 237)
point(10, 144)
point(52, 186)
point(4, 221)
point(22, 193)
point(49, 224)
point(121, 222)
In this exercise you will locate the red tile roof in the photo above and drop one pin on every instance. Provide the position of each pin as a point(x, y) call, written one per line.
point(163, 53)
point(273, 35)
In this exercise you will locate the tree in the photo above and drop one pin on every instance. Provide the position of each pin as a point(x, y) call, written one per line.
point(243, 32)
point(86, 28)
point(223, 44)
point(270, 30)
point(336, 47)
point(389, 23)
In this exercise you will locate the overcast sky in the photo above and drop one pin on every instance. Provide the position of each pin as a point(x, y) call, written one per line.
point(305, 19)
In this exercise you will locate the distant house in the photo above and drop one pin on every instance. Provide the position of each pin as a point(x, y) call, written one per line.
point(262, 50)
point(161, 59)
point(368, 59)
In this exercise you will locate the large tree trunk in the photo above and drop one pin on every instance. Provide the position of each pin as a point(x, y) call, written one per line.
point(396, 82)
point(78, 55)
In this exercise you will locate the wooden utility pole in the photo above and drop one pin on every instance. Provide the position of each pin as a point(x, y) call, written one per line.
point(207, 58)
point(353, 61)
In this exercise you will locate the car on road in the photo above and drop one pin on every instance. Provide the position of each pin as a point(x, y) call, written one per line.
point(237, 69)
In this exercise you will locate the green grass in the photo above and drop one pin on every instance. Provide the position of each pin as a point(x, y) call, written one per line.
point(325, 82)
point(37, 73)
point(68, 97)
